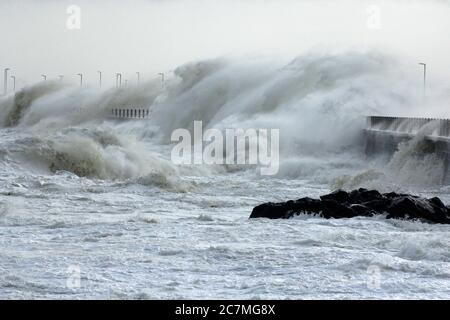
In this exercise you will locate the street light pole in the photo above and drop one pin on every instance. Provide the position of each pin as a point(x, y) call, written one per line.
point(118, 80)
point(100, 78)
point(5, 90)
point(138, 77)
point(162, 79)
point(44, 77)
point(424, 77)
point(14, 83)
point(81, 78)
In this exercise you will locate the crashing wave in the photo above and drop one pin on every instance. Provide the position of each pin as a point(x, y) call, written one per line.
point(318, 101)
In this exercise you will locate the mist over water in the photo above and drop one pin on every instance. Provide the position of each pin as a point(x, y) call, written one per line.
point(83, 190)
point(318, 101)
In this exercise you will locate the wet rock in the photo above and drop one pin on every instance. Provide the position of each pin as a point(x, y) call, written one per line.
point(339, 196)
point(363, 195)
point(361, 202)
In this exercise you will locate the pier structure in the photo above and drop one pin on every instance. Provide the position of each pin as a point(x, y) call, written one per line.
point(383, 134)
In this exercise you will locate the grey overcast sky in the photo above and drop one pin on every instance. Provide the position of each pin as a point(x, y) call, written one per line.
point(157, 35)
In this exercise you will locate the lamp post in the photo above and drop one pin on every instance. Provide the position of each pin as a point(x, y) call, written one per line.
point(162, 79)
point(5, 90)
point(81, 78)
point(100, 78)
point(44, 77)
point(138, 77)
point(14, 83)
point(424, 77)
point(118, 80)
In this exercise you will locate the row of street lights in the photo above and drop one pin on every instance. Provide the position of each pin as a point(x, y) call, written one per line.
point(61, 78)
point(118, 78)
point(161, 74)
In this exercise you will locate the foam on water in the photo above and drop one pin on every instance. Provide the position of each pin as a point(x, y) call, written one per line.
point(81, 191)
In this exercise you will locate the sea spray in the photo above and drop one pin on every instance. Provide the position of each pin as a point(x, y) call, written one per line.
point(317, 101)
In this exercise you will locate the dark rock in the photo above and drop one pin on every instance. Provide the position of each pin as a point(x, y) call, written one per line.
point(334, 209)
point(339, 196)
point(361, 202)
point(417, 208)
point(437, 202)
point(271, 210)
point(362, 210)
point(308, 205)
point(364, 195)
point(393, 195)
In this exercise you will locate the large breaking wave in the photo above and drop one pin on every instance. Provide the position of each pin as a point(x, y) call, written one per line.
point(318, 101)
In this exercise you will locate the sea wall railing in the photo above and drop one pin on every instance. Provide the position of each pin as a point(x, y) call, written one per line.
point(130, 113)
point(383, 135)
point(436, 127)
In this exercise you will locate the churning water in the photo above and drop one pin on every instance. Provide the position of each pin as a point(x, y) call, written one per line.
point(93, 207)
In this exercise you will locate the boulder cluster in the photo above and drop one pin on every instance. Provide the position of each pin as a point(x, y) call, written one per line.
point(361, 202)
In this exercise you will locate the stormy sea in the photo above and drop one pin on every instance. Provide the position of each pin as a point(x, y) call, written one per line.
point(92, 206)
